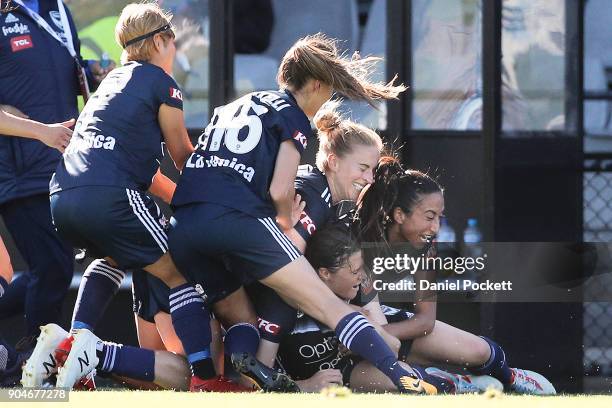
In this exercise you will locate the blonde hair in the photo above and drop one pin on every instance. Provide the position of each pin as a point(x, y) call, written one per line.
point(339, 136)
point(316, 57)
point(138, 19)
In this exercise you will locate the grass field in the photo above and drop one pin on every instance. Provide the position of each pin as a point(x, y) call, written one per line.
point(168, 399)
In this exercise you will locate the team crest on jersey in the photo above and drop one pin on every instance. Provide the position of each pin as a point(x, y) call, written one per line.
point(57, 20)
point(300, 137)
point(10, 18)
point(176, 94)
point(200, 291)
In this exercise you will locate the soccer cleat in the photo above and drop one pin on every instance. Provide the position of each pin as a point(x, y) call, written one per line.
point(42, 363)
point(81, 361)
point(87, 383)
point(466, 384)
point(411, 385)
point(264, 377)
point(530, 382)
point(216, 384)
point(62, 350)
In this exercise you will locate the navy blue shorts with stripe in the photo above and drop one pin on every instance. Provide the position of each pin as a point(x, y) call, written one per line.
point(115, 222)
point(222, 249)
point(149, 295)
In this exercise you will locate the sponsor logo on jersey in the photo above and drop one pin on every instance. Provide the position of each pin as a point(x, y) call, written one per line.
point(17, 28)
point(176, 94)
point(21, 43)
point(90, 141)
point(299, 136)
point(268, 327)
point(197, 161)
point(308, 223)
point(10, 18)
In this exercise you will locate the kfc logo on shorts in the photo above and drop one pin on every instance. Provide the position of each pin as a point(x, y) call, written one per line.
point(299, 136)
point(176, 94)
point(268, 327)
point(21, 43)
point(308, 223)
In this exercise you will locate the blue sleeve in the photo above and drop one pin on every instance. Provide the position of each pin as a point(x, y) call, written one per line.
point(294, 127)
point(315, 213)
point(168, 92)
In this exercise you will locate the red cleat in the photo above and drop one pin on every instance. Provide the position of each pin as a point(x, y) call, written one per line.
point(216, 384)
point(62, 350)
point(86, 383)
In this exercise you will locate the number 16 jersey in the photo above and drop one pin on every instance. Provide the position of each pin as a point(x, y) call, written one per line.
point(234, 160)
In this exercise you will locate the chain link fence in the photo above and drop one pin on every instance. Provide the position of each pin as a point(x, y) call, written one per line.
point(598, 228)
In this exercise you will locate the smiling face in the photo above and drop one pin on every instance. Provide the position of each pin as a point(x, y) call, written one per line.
point(345, 281)
point(350, 174)
point(421, 224)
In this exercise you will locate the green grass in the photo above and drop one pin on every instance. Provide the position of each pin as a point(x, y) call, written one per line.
point(169, 399)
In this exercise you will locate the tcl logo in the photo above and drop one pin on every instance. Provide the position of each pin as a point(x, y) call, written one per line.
point(176, 94)
point(308, 223)
point(267, 326)
point(299, 136)
point(21, 43)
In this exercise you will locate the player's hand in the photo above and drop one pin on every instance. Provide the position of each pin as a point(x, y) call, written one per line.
point(100, 73)
point(14, 111)
point(321, 379)
point(297, 209)
point(57, 135)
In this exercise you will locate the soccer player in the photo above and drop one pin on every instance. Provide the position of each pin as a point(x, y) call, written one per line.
point(311, 353)
point(98, 193)
point(405, 207)
point(236, 195)
point(348, 153)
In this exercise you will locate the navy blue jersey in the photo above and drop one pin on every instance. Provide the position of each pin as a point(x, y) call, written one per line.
point(312, 186)
point(117, 140)
point(234, 161)
point(311, 347)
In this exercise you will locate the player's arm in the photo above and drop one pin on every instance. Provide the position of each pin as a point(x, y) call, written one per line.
point(374, 311)
point(162, 187)
point(6, 268)
point(282, 190)
point(56, 135)
point(321, 379)
point(424, 319)
point(172, 124)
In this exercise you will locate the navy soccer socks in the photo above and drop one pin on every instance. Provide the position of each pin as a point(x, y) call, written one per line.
point(496, 366)
point(241, 337)
point(359, 336)
point(127, 361)
point(99, 285)
point(192, 325)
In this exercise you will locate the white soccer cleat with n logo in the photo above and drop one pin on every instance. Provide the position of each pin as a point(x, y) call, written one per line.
point(82, 359)
point(42, 363)
point(530, 382)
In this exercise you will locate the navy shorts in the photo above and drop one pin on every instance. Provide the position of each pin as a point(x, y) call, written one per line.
point(223, 249)
point(275, 317)
point(115, 222)
point(149, 295)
